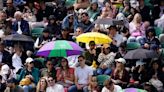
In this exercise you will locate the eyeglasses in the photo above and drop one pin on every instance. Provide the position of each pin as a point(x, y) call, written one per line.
point(31, 62)
point(50, 80)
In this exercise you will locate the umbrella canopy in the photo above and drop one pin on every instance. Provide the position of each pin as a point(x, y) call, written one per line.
point(18, 37)
point(133, 90)
point(60, 48)
point(140, 54)
point(109, 21)
point(98, 38)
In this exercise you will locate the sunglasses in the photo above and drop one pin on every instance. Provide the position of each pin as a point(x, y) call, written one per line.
point(50, 80)
point(31, 62)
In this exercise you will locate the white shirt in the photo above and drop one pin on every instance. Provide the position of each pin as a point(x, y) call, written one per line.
point(1, 33)
point(19, 31)
point(83, 74)
point(55, 88)
point(116, 89)
point(16, 62)
point(119, 39)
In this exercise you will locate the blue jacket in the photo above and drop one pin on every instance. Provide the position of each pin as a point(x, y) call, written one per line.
point(65, 23)
point(24, 27)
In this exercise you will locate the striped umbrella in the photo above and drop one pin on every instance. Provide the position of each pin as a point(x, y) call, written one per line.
point(60, 48)
point(133, 90)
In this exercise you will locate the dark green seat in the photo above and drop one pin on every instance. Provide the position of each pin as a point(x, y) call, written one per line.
point(69, 2)
point(36, 32)
point(162, 45)
point(158, 31)
point(40, 61)
point(102, 78)
point(133, 45)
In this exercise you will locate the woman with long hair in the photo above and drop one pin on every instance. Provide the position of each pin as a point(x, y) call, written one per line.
point(65, 74)
point(136, 29)
point(120, 75)
point(42, 85)
point(93, 11)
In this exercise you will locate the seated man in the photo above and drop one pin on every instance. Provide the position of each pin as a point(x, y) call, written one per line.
point(49, 70)
point(54, 87)
point(12, 86)
point(20, 25)
point(83, 75)
point(85, 22)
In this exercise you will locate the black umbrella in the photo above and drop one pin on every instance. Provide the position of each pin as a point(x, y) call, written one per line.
point(18, 37)
point(109, 21)
point(26, 41)
point(140, 54)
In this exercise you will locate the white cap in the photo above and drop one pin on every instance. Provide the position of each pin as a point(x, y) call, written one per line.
point(121, 60)
point(5, 69)
point(29, 60)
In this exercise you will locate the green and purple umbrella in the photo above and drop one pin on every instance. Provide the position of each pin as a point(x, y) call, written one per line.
point(133, 90)
point(60, 48)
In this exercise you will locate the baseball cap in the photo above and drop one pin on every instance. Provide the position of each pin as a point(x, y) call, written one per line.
point(105, 46)
point(5, 69)
point(29, 60)
point(121, 60)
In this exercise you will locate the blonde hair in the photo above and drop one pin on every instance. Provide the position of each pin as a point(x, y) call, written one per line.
point(93, 82)
point(38, 85)
point(137, 18)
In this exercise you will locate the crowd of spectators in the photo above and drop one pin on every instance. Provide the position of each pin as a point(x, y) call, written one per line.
point(21, 70)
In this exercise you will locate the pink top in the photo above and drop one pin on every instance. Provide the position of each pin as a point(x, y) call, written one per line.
point(136, 31)
point(62, 73)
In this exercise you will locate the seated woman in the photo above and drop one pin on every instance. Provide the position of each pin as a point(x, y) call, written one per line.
point(42, 85)
point(65, 74)
point(150, 38)
point(93, 11)
point(136, 29)
point(93, 87)
point(70, 22)
point(139, 74)
point(120, 75)
point(106, 59)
